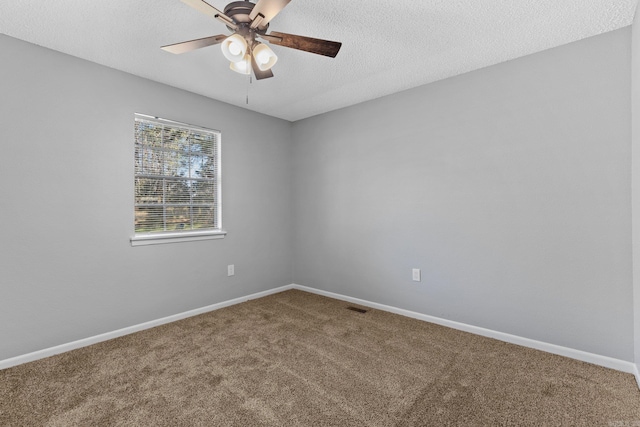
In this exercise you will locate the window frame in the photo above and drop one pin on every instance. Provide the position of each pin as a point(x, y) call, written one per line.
point(162, 237)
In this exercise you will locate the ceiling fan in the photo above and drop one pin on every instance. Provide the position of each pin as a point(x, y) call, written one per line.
point(250, 21)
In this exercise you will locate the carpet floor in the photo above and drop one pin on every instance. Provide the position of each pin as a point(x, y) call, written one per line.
point(299, 359)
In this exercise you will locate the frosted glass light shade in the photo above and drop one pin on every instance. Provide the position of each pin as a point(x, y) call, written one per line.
point(243, 66)
point(264, 56)
point(234, 48)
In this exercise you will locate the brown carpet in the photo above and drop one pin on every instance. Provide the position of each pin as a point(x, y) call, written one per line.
point(299, 359)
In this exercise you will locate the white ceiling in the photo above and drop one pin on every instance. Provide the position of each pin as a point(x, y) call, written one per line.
point(388, 45)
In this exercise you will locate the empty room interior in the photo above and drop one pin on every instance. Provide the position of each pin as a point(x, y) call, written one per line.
point(414, 213)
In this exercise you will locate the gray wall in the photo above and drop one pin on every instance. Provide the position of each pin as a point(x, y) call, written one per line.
point(67, 269)
point(508, 186)
point(635, 183)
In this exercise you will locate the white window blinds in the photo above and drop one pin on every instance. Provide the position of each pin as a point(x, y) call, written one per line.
point(177, 177)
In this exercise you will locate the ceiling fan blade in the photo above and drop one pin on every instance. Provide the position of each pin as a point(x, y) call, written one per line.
point(194, 44)
point(268, 9)
point(258, 72)
point(308, 44)
point(204, 7)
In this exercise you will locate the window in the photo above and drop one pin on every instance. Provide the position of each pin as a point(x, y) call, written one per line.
point(177, 182)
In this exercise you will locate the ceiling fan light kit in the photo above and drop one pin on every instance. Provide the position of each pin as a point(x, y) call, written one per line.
point(243, 66)
point(264, 56)
point(234, 48)
point(250, 21)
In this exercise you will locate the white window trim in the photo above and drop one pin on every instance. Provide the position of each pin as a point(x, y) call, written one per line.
point(146, 239)
point(142, 239)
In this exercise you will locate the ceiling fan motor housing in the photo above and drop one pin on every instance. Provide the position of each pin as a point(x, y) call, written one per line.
point(240, 8)
point(239, 12)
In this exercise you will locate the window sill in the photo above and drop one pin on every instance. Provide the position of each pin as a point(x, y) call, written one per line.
point(186, 236)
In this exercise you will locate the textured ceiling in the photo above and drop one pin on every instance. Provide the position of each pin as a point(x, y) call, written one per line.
point(388, 46)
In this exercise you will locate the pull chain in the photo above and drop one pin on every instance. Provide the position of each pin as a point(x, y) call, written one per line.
point(248, 84)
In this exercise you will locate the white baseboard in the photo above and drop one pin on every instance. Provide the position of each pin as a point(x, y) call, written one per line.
point(41, 354)
point(596, 359)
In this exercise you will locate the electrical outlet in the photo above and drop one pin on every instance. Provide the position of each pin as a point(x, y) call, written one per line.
point(416, 274)
point(231, 270)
